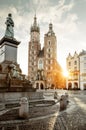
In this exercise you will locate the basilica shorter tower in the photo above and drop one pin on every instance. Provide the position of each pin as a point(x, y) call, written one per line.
point(42, 62)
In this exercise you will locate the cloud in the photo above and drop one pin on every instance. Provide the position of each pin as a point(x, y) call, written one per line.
point(66, 25)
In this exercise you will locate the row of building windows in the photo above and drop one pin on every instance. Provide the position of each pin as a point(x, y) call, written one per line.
point(70, 63)
point(40, 66)
point(75, 62)
point(48, 55)
point(32, 63)
point(32, 57)
point(49, 61)
point(33, 69)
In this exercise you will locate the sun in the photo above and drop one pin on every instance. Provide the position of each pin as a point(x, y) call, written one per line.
point(65, 73)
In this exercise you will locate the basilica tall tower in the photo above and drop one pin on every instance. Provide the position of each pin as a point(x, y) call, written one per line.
point(50, 54)
point(34, 48)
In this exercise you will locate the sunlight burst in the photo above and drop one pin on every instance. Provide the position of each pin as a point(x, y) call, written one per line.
point(65, 73)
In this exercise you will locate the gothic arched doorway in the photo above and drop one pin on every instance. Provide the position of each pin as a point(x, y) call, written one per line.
point(41, 86)
point(69, 86)
point(75, 85)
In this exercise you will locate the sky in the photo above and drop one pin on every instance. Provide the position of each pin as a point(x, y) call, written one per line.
point(67, 16)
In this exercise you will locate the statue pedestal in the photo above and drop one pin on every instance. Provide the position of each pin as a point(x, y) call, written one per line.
point(8, 49)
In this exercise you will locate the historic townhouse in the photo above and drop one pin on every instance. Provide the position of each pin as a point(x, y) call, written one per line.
point(76, 66)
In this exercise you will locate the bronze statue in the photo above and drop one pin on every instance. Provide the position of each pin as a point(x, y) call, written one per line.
point(9, 28)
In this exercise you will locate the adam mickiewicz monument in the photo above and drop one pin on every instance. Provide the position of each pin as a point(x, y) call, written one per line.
point(9, 27)
point(11, 77)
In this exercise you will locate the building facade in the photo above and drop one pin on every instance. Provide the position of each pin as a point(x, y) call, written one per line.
point(76, 67)
point(41, 62)
point(83, 70)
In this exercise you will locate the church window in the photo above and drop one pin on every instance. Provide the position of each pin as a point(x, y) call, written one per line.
point(32, 47)
point(32, 63)
point(49, 43)
point(32, 52)
point(40, 64)
point(49, 50)
point(49, 55)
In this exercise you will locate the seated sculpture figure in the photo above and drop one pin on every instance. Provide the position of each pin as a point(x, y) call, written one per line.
point(14, 72)
point(9, 27)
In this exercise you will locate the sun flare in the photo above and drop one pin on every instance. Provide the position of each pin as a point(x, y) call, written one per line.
point(65, 73)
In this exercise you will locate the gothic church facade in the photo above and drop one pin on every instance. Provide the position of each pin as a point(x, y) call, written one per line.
point(41, 62)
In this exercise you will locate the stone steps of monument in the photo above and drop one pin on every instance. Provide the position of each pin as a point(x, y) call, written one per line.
point(36, 111)
point(32, 103)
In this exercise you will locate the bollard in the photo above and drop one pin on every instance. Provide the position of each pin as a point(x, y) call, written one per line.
point(55, 95)
point(63, 102)
point(23, 110)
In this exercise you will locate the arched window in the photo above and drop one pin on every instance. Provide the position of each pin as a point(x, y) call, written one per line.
point(75, 62)
point(49, 50)
point(49, 43)
point(40, 64)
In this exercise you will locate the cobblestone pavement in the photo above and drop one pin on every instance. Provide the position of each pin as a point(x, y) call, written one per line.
point(74, 118)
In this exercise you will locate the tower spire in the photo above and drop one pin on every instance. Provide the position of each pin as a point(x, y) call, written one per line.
point(35, 27)
point(50, 32)
point(50, 27)
point(35, 20)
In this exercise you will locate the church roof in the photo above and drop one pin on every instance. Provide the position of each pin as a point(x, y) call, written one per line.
point(41, 53)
